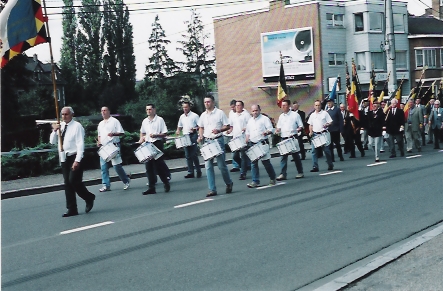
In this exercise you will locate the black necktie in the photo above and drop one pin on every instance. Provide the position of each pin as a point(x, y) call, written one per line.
point(64, 132)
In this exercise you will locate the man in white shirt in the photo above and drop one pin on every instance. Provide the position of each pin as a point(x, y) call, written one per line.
point(228, 136)
point(71, 154)
point(318, 121)
point(238, 122)
point(154, 130)
point(289, 125)
point(257, 130)
point(110, 130)
point(188, 122)
point(211, 124)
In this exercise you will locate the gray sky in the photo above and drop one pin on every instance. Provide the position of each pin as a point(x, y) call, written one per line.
point(172, 21)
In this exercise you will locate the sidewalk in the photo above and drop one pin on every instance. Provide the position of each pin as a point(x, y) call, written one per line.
point(415, 264)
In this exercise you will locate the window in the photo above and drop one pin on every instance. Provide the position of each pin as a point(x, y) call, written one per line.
point(334, 20)
point(399, 22)
point(361, 61)
point(425, 57)
point(401, 60)
point(336, 59)
point(375, 21)
point(359, 22)
point(379, 60)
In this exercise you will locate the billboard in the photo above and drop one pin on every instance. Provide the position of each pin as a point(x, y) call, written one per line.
point(296, 47)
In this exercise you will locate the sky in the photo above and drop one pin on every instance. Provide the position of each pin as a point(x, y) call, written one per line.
point(172, 15)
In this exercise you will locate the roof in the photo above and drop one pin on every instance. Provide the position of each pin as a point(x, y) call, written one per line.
point(425, 25)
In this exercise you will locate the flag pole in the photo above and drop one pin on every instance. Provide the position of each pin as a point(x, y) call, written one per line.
point(54, 84)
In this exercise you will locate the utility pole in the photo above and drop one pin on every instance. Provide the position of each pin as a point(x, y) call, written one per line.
point(390, 47)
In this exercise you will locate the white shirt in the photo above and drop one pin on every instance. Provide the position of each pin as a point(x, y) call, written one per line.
point(74, 141)
point(187, 122)
point(215, 119)
point(288, 123)
point(230, 114)
point(318, 120)
point(155, 126)
point(112, 125)
point(239, 121)
point(257, 126)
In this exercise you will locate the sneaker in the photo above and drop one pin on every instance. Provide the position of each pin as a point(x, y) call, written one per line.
point(299, 176)
point(254, 184)
point(211, 193)
point(104, 189)
point(272, 182)
point(382, 151)
point(126, 186)
point(281, 177)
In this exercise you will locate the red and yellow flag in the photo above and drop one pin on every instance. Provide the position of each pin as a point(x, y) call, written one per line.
point(22, 26)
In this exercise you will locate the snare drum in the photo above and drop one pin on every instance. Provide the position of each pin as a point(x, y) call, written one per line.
point(288, 146)
point(210, 150)
point(257, 151)
point(183, 141)
point(147, 151)
point(322, 139)
point(108, 151)
point(237, 143)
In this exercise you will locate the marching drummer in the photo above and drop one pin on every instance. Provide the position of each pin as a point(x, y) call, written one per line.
point(188, 122)
point(238, 120)
point(153, 130)
point(109, 131)
point(257, 130)
point(211, 124)
point(318, 123)
point(289, 125)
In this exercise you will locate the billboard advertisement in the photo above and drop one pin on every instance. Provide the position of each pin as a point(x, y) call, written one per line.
point(296, 48)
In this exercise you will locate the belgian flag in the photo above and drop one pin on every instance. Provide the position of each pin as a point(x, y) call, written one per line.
point(282, 90)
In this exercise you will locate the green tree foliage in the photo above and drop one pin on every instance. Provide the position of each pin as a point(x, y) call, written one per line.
point(38, 102)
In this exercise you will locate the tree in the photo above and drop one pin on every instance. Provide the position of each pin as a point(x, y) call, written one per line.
point(200, 58)
point(68, 64)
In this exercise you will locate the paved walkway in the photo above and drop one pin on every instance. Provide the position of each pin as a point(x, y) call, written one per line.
point(415, 264)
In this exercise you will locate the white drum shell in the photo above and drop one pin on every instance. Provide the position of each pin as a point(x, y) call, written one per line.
point(108, 151)
point(257, 151)
point(210, 150)
point(237, 143)
point(183, 141)
point(146, 152)
point(288, 146)
point(323, 139)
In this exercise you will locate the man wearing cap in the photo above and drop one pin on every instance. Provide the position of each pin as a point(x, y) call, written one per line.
point(335, 129)
point(376, 119)
point(413, 126)
point(436, 123)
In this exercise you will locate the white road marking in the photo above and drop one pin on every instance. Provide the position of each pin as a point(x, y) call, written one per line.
point(411, 157)
point(269, 186)
point(377, 164)
point(441, 151)
point(330, 173)
point(86, 227)
point(193, 203)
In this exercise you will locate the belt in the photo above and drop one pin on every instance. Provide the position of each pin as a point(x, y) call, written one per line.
point(214, 137)
point(70, 154)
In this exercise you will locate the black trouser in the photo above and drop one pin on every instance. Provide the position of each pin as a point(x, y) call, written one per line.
point(437, 132)
point(157, 167)
point(301, 145)
point(355, 140)
point(74, 184)
point(335, 139)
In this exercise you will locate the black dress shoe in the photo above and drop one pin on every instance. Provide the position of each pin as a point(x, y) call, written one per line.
point(242, 177)
point(362, 154)
point(229, 188)
point(167, 187)
point(89, 205)
point(235, 170)
point(149, 191)
point(352, 157)
point(189, 176)
point(402, 154)
point(330, 168)
point(314, 170)
point(70, 213)
point(211, 194)
point(392, 156)
point(342, 159)
point(199, 174)
point(430, 142)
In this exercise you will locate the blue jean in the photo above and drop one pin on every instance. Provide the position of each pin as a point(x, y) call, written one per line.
point(105, 173)
point(327, 152)
point(221, 164)
point(191, 155)
point(256, 172)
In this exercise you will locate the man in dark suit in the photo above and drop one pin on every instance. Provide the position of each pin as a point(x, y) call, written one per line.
point(395, 120)
point(436, 123)
point(376, 119)
point(300, 137)
point(347, 128)
point(335, 128)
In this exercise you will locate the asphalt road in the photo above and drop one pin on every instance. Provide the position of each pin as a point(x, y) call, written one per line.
point(279, 238)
